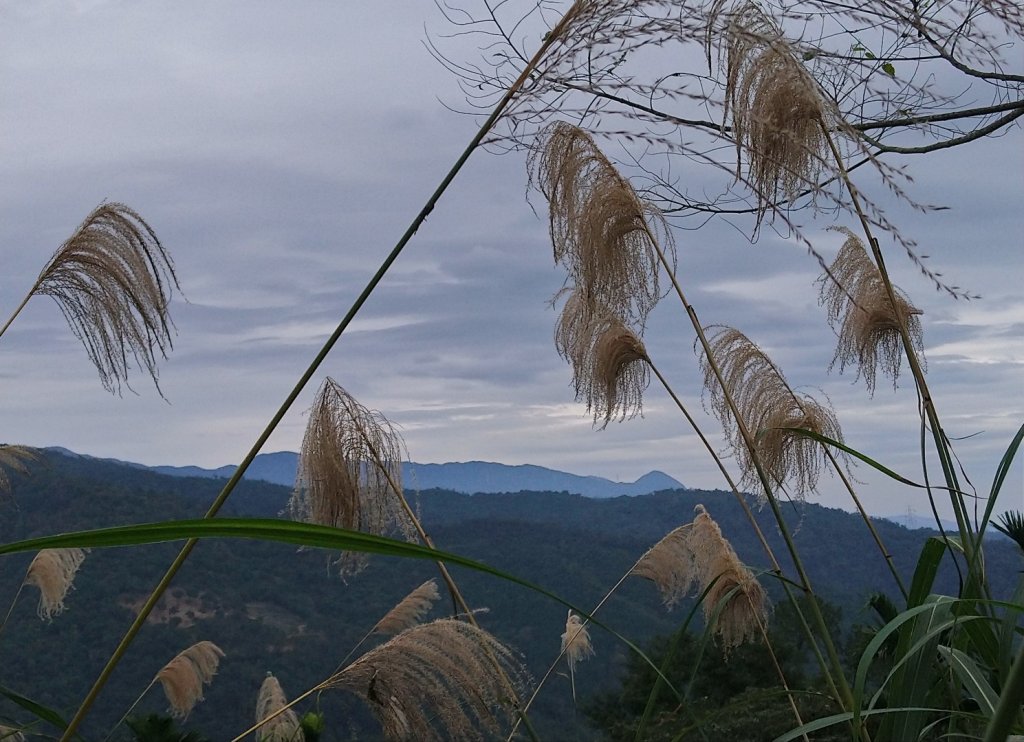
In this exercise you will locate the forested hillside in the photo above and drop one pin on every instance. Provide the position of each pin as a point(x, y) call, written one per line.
point(271, 608)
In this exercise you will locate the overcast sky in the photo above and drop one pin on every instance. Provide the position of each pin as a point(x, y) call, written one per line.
point(280, 149)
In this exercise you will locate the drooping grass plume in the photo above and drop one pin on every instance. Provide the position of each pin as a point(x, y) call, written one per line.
point(410, 610)
point(53, 572)
point(436, 681)
point(777, 110)
point(113, 281)
point(863, 316)
point(184, 676)
point(349, 464)
point(284, 727)
point(603, 233)
point(696, 556)
point(771, 411)
point(13, 458)
point(609, 361)
point(746, 610)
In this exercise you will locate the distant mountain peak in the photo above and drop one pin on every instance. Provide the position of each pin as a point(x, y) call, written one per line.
point(470, 477)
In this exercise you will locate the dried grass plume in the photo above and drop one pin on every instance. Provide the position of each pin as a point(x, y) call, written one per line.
point(734, 590)
point(770, 410)
point(437, 681)
point(576, 640)
point(350, 471)
point(603, 233)
point(284, 727)
point(670, 565)
point(410, 610)
point(53, 572)
point(861, 312)
point(778, 113)
point(184, 676)
point(609, 361)
point(113, 281)
point(697, 557)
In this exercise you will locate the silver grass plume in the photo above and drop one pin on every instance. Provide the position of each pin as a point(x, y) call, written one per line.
point(284, 727)
point(576, 640)
point(861, 312)
point(53, 572)
point(184, 676)
point(113, 281)
point(778, 112)
point(13, 458)
point(695, 556)
point(436, 681)
point(745, 612)
point(349, 466)
point(609, 361)
point(670, 564)
point(770, 410)
point(603, 233)
point(410, 610)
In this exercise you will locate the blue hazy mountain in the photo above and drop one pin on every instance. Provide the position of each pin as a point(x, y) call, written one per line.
point(468, 477)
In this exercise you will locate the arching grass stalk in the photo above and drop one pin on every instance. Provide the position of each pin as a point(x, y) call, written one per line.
point(553, 38)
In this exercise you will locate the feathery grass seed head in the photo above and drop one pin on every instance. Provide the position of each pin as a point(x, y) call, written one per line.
point(745, 609)
point(285, 726)
point(576, 640)
point(864, 317)
point(350, 471)
point(603, 233)
point(113, 281)
point(696, 556)
point(184, 676)
point(778, 113)
point(53, 572)
point(444, 680)
point(10, 734)
point(609, 361)
point(770, 410)
point(670, 565)
point(410, 610)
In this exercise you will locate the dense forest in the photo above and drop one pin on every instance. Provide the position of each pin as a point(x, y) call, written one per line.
point(273, 608)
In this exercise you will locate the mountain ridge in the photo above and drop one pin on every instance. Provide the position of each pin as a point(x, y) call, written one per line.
point(468, 477)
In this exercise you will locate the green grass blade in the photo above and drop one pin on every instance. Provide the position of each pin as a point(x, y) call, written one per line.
point(972, 677)
point(828, 721)
point(997, 482)
point(45, 713)
point(927, 568)
point(857, 455)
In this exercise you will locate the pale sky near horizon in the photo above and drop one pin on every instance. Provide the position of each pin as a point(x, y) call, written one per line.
point(279, 150)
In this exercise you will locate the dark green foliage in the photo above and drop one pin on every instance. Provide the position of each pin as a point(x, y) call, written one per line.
point(157, 728)
point(734, 697)
point(313, 726)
